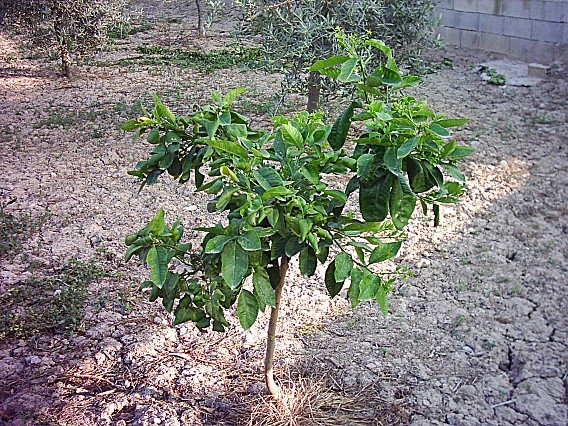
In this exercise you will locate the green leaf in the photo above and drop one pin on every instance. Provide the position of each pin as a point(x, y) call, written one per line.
point(247, 309)
point(374, 198)
point(131, 125)
point(378, 44)
point(292, 135)
point(347, 74)
point(262, 286)
point(402, 202)
point(343, 266)
point(308, 261)
point(311, 173)
point(250, 241)
point(387, 75)
point(461, 151)
point(293, 246)
point(233, 94)
point(384, 251)
point(454, 172)
point(229, 147)
point(162, 110)
point(211, 127)
point(448, 148)
point(157, 225)
point(336, 194)
point(278, 191)
point(407, 147)
point(382, 300)
point(333, 287)
point(158, 260)
point(217, 244)
point(188, 314)
point(354, 289)
point(340, 128)
point(368, 286)
point(452, 122)
point(439, 130)
point(267, 178)
point(234, 264)
point(329, 62)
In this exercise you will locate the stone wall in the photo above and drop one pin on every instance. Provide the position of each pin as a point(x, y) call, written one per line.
point(528, 30)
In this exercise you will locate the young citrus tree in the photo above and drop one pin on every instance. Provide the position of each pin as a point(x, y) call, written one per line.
point(281, 197)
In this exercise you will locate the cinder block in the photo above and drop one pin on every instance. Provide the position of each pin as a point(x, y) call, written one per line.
point(489, 7)
point(516, 8)
point(450, 35)
point(518, 27)
point(539, 70)
point(532, 51)
point(448, 18)
point(547, 11)
point(445, 4)
point(466, 21)
point(494, 43)
point(492, 24)
point(547, 31)
point(470, 39)
point(465, 5)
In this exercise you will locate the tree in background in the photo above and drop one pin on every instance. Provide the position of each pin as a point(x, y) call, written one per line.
point(71, 26)
point(297, 32)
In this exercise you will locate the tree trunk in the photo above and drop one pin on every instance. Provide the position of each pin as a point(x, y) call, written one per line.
point(314, 89)
point(273, 388)
point(200, 20)
point(59, 28)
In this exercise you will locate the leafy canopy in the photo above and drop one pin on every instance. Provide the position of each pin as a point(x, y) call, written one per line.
point(286, 192)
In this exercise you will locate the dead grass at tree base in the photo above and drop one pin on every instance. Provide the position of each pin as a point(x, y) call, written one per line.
point(310, 400)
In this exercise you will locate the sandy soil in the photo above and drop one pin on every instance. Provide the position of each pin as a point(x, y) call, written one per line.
point(477, 337)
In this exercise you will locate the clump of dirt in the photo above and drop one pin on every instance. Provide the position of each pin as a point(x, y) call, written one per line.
point(477, 336)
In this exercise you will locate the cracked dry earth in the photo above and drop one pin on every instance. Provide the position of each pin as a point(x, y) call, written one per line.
point(478, 336)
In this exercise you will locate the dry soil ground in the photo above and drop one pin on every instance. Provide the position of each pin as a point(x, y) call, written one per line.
point(477, 337)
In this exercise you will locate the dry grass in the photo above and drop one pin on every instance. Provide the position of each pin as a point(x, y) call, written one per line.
point(308, 400)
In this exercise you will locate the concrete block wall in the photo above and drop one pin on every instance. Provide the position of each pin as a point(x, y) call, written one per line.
point(528, 30)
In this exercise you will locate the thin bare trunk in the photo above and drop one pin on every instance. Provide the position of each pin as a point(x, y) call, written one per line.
point(314, 89)
point(273, 388)
point(58, 27)
point(200, 21)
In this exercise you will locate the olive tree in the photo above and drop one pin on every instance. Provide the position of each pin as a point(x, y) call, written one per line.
point(72, 26)
point(295, 33)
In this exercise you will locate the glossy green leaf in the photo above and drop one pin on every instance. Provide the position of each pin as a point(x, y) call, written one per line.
point(267, 178)
point(439, 130)
point(368, 286)
point(461, 151)
point(402, 203)
point(329, 62)
point(374, 199)
point(354, 289)
point(250, 241)
point(158, 261)
point(343, 266)
point(347, 73)
point(162, 110)
point(217, 244)
point(278, 191)
point(262, 286)
point(308, 261)
point(292, 135)
point(452, 122)
point(340, 128)
point(407, 147)
point(454, 172)
point(333, 287)
point(387, 75)
point(382, 300)
point(229, 147)
point(234, 94)
point(384, 251)
point(247, 309)
point(188, 314)
point(234, 264)
point(157, 225)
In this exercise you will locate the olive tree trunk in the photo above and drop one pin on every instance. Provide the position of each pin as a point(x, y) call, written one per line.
point(200, 20)
point(314, 90)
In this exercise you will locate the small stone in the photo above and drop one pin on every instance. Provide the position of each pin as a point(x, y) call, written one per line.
point(423, 263)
